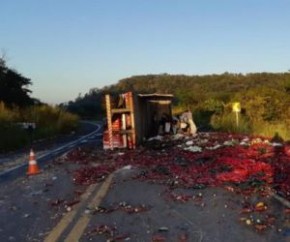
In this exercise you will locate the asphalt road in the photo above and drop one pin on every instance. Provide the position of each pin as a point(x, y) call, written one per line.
point(211, 214)
point(30, 205)
point(15, 164)
point(50, 207)
point(47, 207)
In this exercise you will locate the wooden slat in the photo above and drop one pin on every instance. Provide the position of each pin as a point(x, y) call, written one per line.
point(132, 114)
point(109, 120)
point(121, 110)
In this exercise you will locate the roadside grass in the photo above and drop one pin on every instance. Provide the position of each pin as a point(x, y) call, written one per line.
point(278, 130)
point(12, 137)
point(228, 123)
point(50, 122)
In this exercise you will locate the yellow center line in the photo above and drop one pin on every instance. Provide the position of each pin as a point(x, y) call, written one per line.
point(68, 218)
point(81, 225)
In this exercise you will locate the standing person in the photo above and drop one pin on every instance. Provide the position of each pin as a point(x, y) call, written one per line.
point(175, 124)
point(187, 118)
point(154, 124)
point(164, 124)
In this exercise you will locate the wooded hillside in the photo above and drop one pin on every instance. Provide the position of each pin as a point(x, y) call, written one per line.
point(264, 99)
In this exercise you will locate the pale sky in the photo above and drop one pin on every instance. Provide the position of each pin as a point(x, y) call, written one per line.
point(68, 47)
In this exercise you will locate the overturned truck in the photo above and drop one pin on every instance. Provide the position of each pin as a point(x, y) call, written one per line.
point(132, 118)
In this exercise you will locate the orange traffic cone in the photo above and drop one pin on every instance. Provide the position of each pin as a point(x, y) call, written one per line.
point(32, 164)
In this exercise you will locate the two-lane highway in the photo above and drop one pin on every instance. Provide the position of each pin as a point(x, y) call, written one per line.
point(19, 164)
point(33, 208)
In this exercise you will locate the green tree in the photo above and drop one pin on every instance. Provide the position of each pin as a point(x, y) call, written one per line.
point(14, 87)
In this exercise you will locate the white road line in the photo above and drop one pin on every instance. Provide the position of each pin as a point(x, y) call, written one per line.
point(59, 149)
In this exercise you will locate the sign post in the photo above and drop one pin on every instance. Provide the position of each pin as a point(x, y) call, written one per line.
point(237, 109)
point(29, 127)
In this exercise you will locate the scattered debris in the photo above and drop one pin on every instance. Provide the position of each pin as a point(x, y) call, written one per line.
point(158, 238)
point(210, 159)
point(106, 230)
point(56, 202)
point(163, 229)
point(90, 175)
point(183, 198)
point(26, 215)
point(110, 233)
point(260, 207)
point(238, 163)
point(123, 206)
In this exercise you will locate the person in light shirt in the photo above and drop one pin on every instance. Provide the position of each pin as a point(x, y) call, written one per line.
point(186, 117)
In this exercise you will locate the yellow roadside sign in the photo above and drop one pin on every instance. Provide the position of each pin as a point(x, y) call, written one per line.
point(236, 107)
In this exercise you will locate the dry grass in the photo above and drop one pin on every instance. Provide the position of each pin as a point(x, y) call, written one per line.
point(50, 121)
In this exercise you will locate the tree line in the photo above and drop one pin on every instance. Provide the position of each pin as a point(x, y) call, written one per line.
point(18, 107)
point(264, 99)
point(14, 89)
